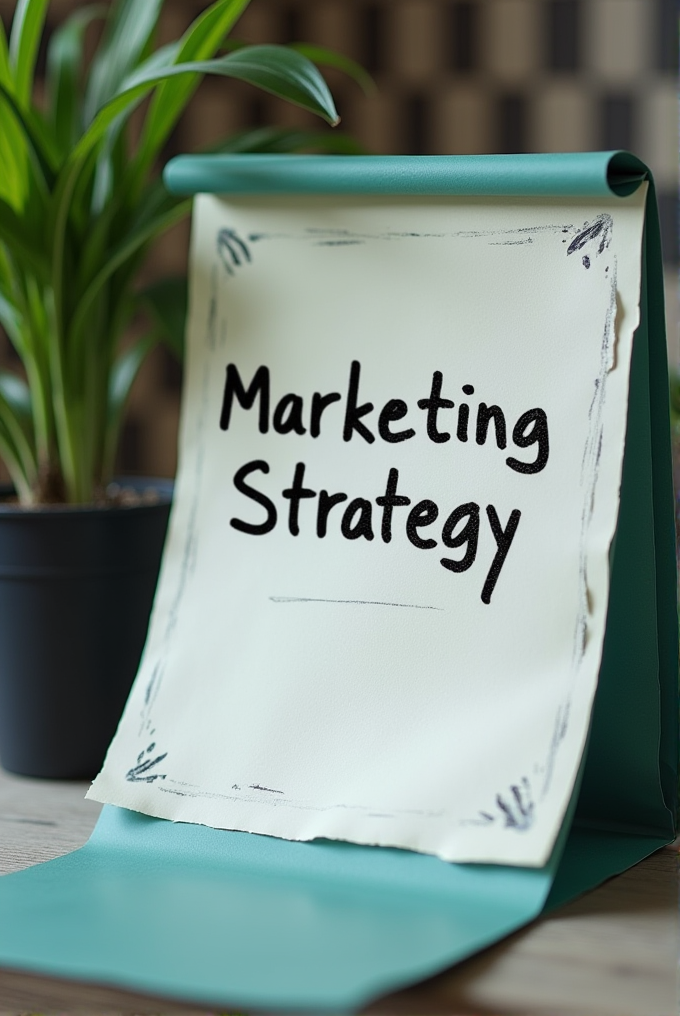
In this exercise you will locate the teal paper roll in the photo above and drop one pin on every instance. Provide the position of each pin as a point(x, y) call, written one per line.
point(570, 174)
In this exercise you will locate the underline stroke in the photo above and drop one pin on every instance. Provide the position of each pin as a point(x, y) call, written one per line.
point(371, 603)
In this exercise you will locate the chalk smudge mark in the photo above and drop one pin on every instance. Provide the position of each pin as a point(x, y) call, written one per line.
point(190, 548)
point(233, 251)
point(510, 243)
point(141, 772)
point(339, 243)
point(592, 454)
point(558, 735)
point(517, 807)
point(597, 232)
point(150, 693)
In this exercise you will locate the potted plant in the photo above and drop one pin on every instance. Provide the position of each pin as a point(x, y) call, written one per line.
point(80, 203)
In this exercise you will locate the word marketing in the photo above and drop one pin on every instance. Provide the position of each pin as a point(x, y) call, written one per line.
point(461, 528)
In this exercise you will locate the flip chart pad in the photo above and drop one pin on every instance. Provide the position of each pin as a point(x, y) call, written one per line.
point(383, 602)
point(395, 547)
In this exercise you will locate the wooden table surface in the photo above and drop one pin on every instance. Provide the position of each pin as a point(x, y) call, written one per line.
point(614, 952)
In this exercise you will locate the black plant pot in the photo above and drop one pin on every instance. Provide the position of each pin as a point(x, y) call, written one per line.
point(76, 588)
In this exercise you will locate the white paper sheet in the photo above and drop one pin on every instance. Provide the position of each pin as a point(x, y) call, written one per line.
point(354, 685)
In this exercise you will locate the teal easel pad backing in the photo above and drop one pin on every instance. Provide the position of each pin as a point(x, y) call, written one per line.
point(240, 920)
point(244, 920)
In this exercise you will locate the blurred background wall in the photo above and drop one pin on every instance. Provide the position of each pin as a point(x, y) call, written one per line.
point(453, 76)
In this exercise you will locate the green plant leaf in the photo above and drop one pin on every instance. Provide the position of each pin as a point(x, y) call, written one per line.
point(27, 26)
point(5, 69)
point(125, 370)
point(26, 249)
point(165, 56)
point(329, 58)
point(10, 456)
point(10, 319)
point(130, 26)
point(284, 73)
point(278, 70)
point(133, 241)
point(64, 69)
point(105, 171)
point(266, 140)
point(14, 168)
point(123, 374)
point(94, 255)
point(39, 145)
point(114, 220)
point(199, 42)
point(166, 303)
point(16, 431)
point(15, 392)
point(274, 68)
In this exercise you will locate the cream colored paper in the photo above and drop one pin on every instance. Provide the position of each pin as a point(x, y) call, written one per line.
point(309, 686)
